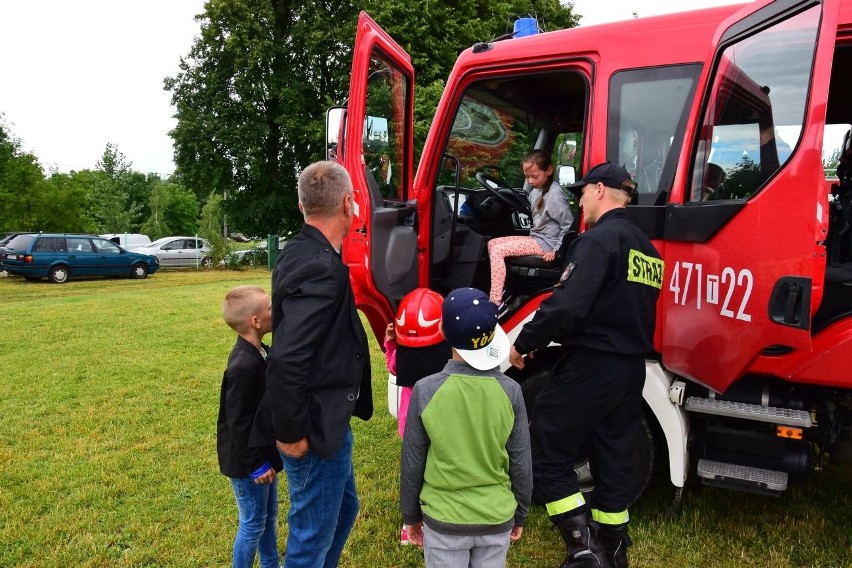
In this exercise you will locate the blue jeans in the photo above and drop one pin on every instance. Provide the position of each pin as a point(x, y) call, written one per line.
point(258, 508)
point(323, 507)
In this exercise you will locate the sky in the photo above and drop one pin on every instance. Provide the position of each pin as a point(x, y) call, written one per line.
point(75, 76)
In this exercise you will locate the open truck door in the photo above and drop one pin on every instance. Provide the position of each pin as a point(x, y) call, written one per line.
point(745, 249)
point(375, 144)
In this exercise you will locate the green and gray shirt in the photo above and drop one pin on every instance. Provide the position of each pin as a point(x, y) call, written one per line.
point(466, 466)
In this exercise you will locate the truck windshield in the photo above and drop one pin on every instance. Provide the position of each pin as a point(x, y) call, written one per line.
point(499, 121)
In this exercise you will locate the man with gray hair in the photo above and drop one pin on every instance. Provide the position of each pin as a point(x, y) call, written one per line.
point(318, 372)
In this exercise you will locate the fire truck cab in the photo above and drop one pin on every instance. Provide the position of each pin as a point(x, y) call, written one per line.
point(722, 116)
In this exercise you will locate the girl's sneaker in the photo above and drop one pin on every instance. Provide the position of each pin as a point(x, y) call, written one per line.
point(403, 536)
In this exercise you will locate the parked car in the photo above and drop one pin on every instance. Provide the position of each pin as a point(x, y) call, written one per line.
point(249, 257)
point(179, 251)
point(128, 240)
point(59, 257)
point(6, 237)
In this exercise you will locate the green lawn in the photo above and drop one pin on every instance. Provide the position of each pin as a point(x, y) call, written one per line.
point(108, 408)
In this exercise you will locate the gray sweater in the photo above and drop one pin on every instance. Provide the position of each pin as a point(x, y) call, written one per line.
point(554, 220)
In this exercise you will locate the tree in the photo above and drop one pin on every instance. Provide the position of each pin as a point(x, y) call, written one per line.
point(211, 227)
point(21, 180)
point(66, 204)
point(156, 226)
point(173, 210)
point(111, 207)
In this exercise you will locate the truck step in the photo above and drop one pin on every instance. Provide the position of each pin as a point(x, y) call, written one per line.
point(772, 414)
point(742, 477)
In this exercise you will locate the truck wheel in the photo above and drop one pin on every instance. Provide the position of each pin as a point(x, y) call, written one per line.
point(643, 449)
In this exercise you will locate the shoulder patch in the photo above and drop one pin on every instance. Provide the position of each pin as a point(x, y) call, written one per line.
point(566, 274)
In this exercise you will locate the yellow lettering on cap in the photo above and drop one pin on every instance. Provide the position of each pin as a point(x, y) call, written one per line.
point(480, 342)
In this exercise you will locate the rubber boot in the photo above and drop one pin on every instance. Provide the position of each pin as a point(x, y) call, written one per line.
point(582, 547)
point(615, 541)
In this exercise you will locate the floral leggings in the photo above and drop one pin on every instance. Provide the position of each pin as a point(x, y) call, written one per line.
point(498, 250)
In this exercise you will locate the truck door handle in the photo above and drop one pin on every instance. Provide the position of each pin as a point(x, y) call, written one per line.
point(790, 302)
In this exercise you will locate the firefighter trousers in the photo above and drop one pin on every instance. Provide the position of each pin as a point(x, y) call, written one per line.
point(591, 406)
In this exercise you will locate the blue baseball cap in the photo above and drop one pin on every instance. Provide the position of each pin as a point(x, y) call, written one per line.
point(469, 322)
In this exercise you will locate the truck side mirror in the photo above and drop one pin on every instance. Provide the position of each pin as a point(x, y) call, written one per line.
point(335, 122)
point(566, 175)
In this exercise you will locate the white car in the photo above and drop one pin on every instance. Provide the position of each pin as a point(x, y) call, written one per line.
point(179, 251)
point(128, 241)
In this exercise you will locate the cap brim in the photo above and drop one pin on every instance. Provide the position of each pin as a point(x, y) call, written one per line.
point(490, 356)
point(577, 187)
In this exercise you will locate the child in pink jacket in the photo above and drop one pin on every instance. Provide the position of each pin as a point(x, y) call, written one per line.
point(414, 348)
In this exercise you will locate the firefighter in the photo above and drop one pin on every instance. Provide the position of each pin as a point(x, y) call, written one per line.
point(602, 312)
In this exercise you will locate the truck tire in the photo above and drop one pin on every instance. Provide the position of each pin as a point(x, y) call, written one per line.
point(643, 449)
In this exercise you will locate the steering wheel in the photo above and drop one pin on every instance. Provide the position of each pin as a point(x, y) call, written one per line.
point(503, 193)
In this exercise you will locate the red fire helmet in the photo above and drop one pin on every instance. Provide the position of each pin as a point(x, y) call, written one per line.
point(417, 319)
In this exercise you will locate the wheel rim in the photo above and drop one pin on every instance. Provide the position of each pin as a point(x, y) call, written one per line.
point(139, 271)
point(60, 275)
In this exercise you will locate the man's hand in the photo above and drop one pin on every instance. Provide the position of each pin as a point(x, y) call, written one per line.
point(516, 534)
point(293, 450)
point(549, 256)
point(415, 533)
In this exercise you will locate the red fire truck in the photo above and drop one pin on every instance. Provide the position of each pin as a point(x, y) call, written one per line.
point(750, 385)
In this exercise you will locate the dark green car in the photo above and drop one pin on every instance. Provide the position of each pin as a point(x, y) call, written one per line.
point(59, 257)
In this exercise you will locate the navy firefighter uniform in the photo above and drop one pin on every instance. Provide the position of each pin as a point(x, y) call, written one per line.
point(603, 313)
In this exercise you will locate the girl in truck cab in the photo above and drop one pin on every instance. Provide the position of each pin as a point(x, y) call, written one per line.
point(551, 219)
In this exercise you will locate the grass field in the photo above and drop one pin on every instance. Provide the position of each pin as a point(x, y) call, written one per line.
point(108, 405)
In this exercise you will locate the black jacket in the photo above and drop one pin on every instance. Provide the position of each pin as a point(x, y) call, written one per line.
point(318, 372)
point(606, 299)
point(243, 387)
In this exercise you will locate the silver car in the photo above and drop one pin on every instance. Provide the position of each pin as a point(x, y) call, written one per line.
point(179, 251)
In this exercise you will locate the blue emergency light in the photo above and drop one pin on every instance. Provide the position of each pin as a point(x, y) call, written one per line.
point(525, 27)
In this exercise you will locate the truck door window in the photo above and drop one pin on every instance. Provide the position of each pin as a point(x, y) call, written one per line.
point(384, 139)
point(647, 117)
point(753, 119)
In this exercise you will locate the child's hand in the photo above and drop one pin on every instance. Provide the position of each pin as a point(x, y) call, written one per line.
point(267, 477)
point(516, 534)
point(390, 333)
point(549, 256)
point(415, 533)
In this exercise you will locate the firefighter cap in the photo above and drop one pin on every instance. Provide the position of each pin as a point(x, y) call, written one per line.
point(608, 174)
point(470, 326)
